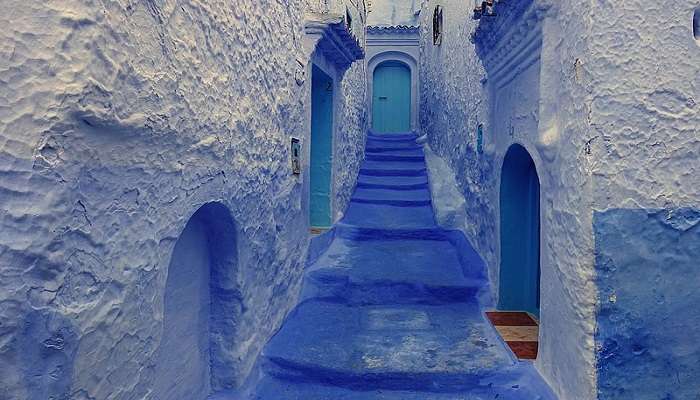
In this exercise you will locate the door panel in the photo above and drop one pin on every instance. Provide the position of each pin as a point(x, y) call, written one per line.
point(519, 286)
point(321, 148)
point(391, 99)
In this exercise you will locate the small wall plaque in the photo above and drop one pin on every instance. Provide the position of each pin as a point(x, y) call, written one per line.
point(296, 156)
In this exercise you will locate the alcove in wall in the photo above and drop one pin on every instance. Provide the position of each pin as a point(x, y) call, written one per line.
point(200, 304)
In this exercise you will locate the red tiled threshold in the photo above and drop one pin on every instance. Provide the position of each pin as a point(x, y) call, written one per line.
point(519, 330)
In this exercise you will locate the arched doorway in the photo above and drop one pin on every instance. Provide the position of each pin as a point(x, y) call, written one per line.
point(321, 148)
point(199, 311)
point(519, 287)
point(391, 97)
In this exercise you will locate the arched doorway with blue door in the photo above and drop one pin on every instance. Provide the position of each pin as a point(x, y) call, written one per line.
point(391, 97)
point(519, 287)
point(321, 149)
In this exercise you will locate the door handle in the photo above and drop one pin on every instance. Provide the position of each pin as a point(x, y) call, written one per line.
point(383, 97)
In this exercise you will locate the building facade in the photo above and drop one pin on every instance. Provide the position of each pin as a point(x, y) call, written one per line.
point(593, 109)
point(141, 141)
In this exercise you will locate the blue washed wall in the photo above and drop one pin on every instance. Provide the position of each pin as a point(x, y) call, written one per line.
point(118, 122)
point(648, 273)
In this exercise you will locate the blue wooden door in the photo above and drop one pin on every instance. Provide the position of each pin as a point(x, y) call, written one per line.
point(321, 148)
point(391, 98)
point(519, 286)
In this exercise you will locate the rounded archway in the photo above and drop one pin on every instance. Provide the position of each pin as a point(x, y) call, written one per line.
point(199, 308)
point(519, 282)
point(407, 63)
point(391, 97)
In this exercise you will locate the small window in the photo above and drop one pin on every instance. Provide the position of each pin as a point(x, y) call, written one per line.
point(696, 24)
point(437, 26)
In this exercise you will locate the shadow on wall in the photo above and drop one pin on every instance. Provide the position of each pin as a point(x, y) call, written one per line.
point(201, 306)
point(519, 286)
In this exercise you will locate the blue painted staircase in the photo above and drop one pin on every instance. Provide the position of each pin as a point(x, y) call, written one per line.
point(391, 309)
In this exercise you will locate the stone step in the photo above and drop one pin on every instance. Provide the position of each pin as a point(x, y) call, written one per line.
point(395, 181)
point(394, 187)
point(376, 146)
point(392, 165)
point(396, 137)
point(399, 198)
point(517, 385)
point(390, 202)
point(378, 171)
point(407, 151)
point(388, 216)
point(392, 272)
point(421, 194)
point(395, 157)
point(446, 348)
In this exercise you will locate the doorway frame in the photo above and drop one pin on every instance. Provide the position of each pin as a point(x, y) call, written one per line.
point(537, 163)
point(412, 65)
point(317, 60)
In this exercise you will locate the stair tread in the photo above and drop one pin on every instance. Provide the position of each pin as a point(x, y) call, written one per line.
point(516, 385)
point(427, 262)
point(395, 341)
point(388, 216)
point(388, 194)
point(393, 165)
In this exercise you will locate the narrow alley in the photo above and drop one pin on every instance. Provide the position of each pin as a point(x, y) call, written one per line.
point(349, 200)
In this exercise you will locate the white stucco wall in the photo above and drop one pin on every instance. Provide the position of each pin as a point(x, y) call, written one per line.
point(644, 116)
point(653, 69)
point(393, 12)
point(513, 101)
point(604, 98)
point(117, 122)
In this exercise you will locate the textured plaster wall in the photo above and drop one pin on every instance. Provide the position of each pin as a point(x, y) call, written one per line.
point(649, 303)
point(645, 109)
point(645, 119)
point(607, 107)
point(393, 12)
point(350, 135)
point(538, 101)
point(118, 120)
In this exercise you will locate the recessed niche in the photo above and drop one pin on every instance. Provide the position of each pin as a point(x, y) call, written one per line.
point(696, 24)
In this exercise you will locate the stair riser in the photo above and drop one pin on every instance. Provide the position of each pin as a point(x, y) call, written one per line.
point(389, 293)
point(363, 234)
point(393, 172)
point(378, 149)
point(395, 203)
point(425, 382)
point(393, 157)
point(417, 186)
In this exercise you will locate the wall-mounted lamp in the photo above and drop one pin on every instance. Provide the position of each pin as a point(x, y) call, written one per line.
point(483, 8)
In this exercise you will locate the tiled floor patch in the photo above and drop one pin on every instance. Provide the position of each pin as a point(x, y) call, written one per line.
point(519, 330)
